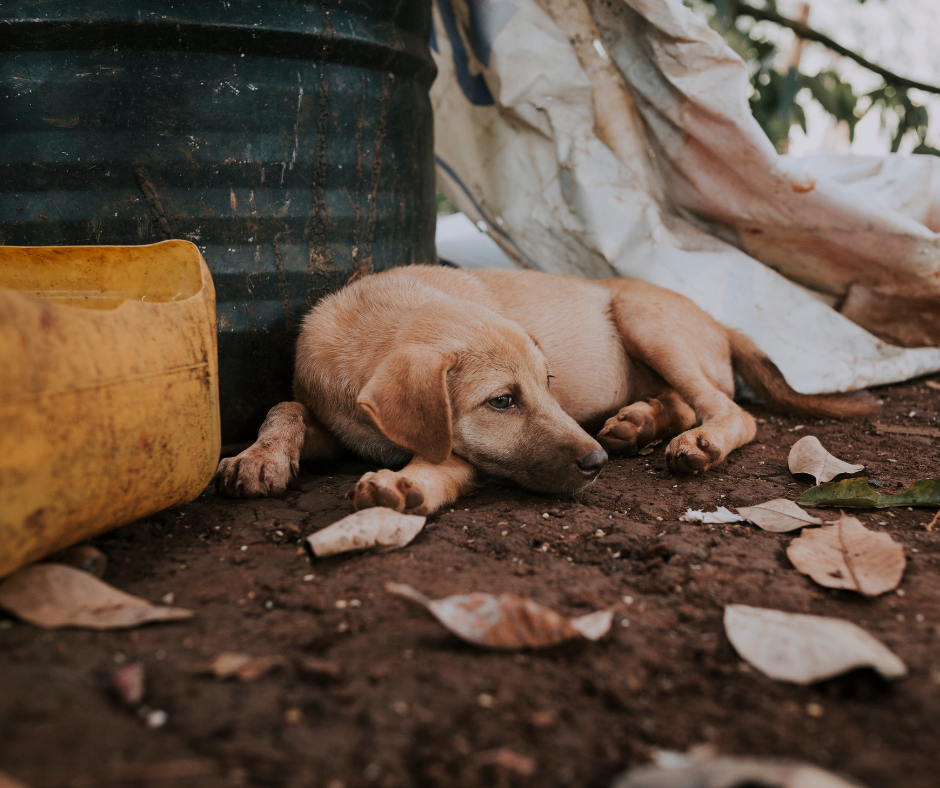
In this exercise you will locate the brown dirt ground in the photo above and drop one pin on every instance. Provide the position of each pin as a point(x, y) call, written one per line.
point(413, 706)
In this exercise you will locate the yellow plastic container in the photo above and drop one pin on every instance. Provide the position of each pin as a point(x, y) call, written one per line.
point(109, 397)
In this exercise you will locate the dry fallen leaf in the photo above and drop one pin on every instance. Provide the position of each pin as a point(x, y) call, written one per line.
point(720, 515)
point(55, 595)
point(778, 516)
point(365, 529)
point(808, 456)
point(848, 555)
point(731, 772)
point(805, 649)
point(507, 621)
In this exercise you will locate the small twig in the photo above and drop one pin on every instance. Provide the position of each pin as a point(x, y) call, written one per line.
point(933, 522)
point(805, 32)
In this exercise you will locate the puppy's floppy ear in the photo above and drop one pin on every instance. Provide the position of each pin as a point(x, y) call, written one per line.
point(407, 400)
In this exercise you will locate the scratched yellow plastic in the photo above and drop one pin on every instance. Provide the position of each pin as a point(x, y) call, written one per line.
point(109, 398)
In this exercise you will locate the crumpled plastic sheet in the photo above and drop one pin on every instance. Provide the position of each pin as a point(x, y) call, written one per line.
point(615, 138)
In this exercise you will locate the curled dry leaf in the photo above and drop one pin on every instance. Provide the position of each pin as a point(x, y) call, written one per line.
point(55, 595)
point(805, 649)
point(378, 527)
point(848, 555)
point(857, 493)
point(778, 516)
point(720, 515)
point(733, 773)
point(507, 621)
point(808, 456)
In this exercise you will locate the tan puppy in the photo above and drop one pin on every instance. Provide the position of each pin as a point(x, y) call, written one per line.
point(458, 374)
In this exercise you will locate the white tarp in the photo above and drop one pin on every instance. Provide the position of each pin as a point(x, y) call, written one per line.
point(613, 137)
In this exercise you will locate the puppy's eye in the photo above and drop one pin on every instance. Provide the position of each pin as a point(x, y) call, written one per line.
point(502, 403)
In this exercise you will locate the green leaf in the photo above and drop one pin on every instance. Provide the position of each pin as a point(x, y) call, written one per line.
point(857, 493)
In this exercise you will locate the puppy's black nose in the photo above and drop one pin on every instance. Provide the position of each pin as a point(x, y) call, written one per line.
point(593, 462)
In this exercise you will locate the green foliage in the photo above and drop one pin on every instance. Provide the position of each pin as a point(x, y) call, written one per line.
point(773, 99)
point(909, 115)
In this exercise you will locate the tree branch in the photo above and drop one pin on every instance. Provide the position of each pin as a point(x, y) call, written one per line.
point(807, 33)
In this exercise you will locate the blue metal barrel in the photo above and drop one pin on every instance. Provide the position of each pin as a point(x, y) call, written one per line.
point(291, 141)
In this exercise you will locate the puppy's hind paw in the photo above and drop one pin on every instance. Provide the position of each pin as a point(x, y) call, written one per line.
point(390, 490)
point(258, 472)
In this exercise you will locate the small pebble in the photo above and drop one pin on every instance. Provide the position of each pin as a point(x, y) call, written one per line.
point(156, 718)
point(293, 716)
point(485, 700)
point(308, 578)
point(814, 710)
point(341, 604)
point(168, 599)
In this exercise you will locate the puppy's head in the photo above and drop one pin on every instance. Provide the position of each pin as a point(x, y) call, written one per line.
point(480, 388)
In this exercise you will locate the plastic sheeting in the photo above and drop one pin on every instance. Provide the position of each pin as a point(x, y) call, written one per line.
point(613, 137)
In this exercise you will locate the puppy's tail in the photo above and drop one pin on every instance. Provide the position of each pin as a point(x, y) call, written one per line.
point(768, 383)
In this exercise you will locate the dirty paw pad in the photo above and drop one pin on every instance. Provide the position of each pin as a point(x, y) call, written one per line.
point(691, 453)
point(388, 489)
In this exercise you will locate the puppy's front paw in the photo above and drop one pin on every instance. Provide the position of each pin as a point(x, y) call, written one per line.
point(389, 489)
point(257, 472)
point(631, 429)
point(692, 452)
